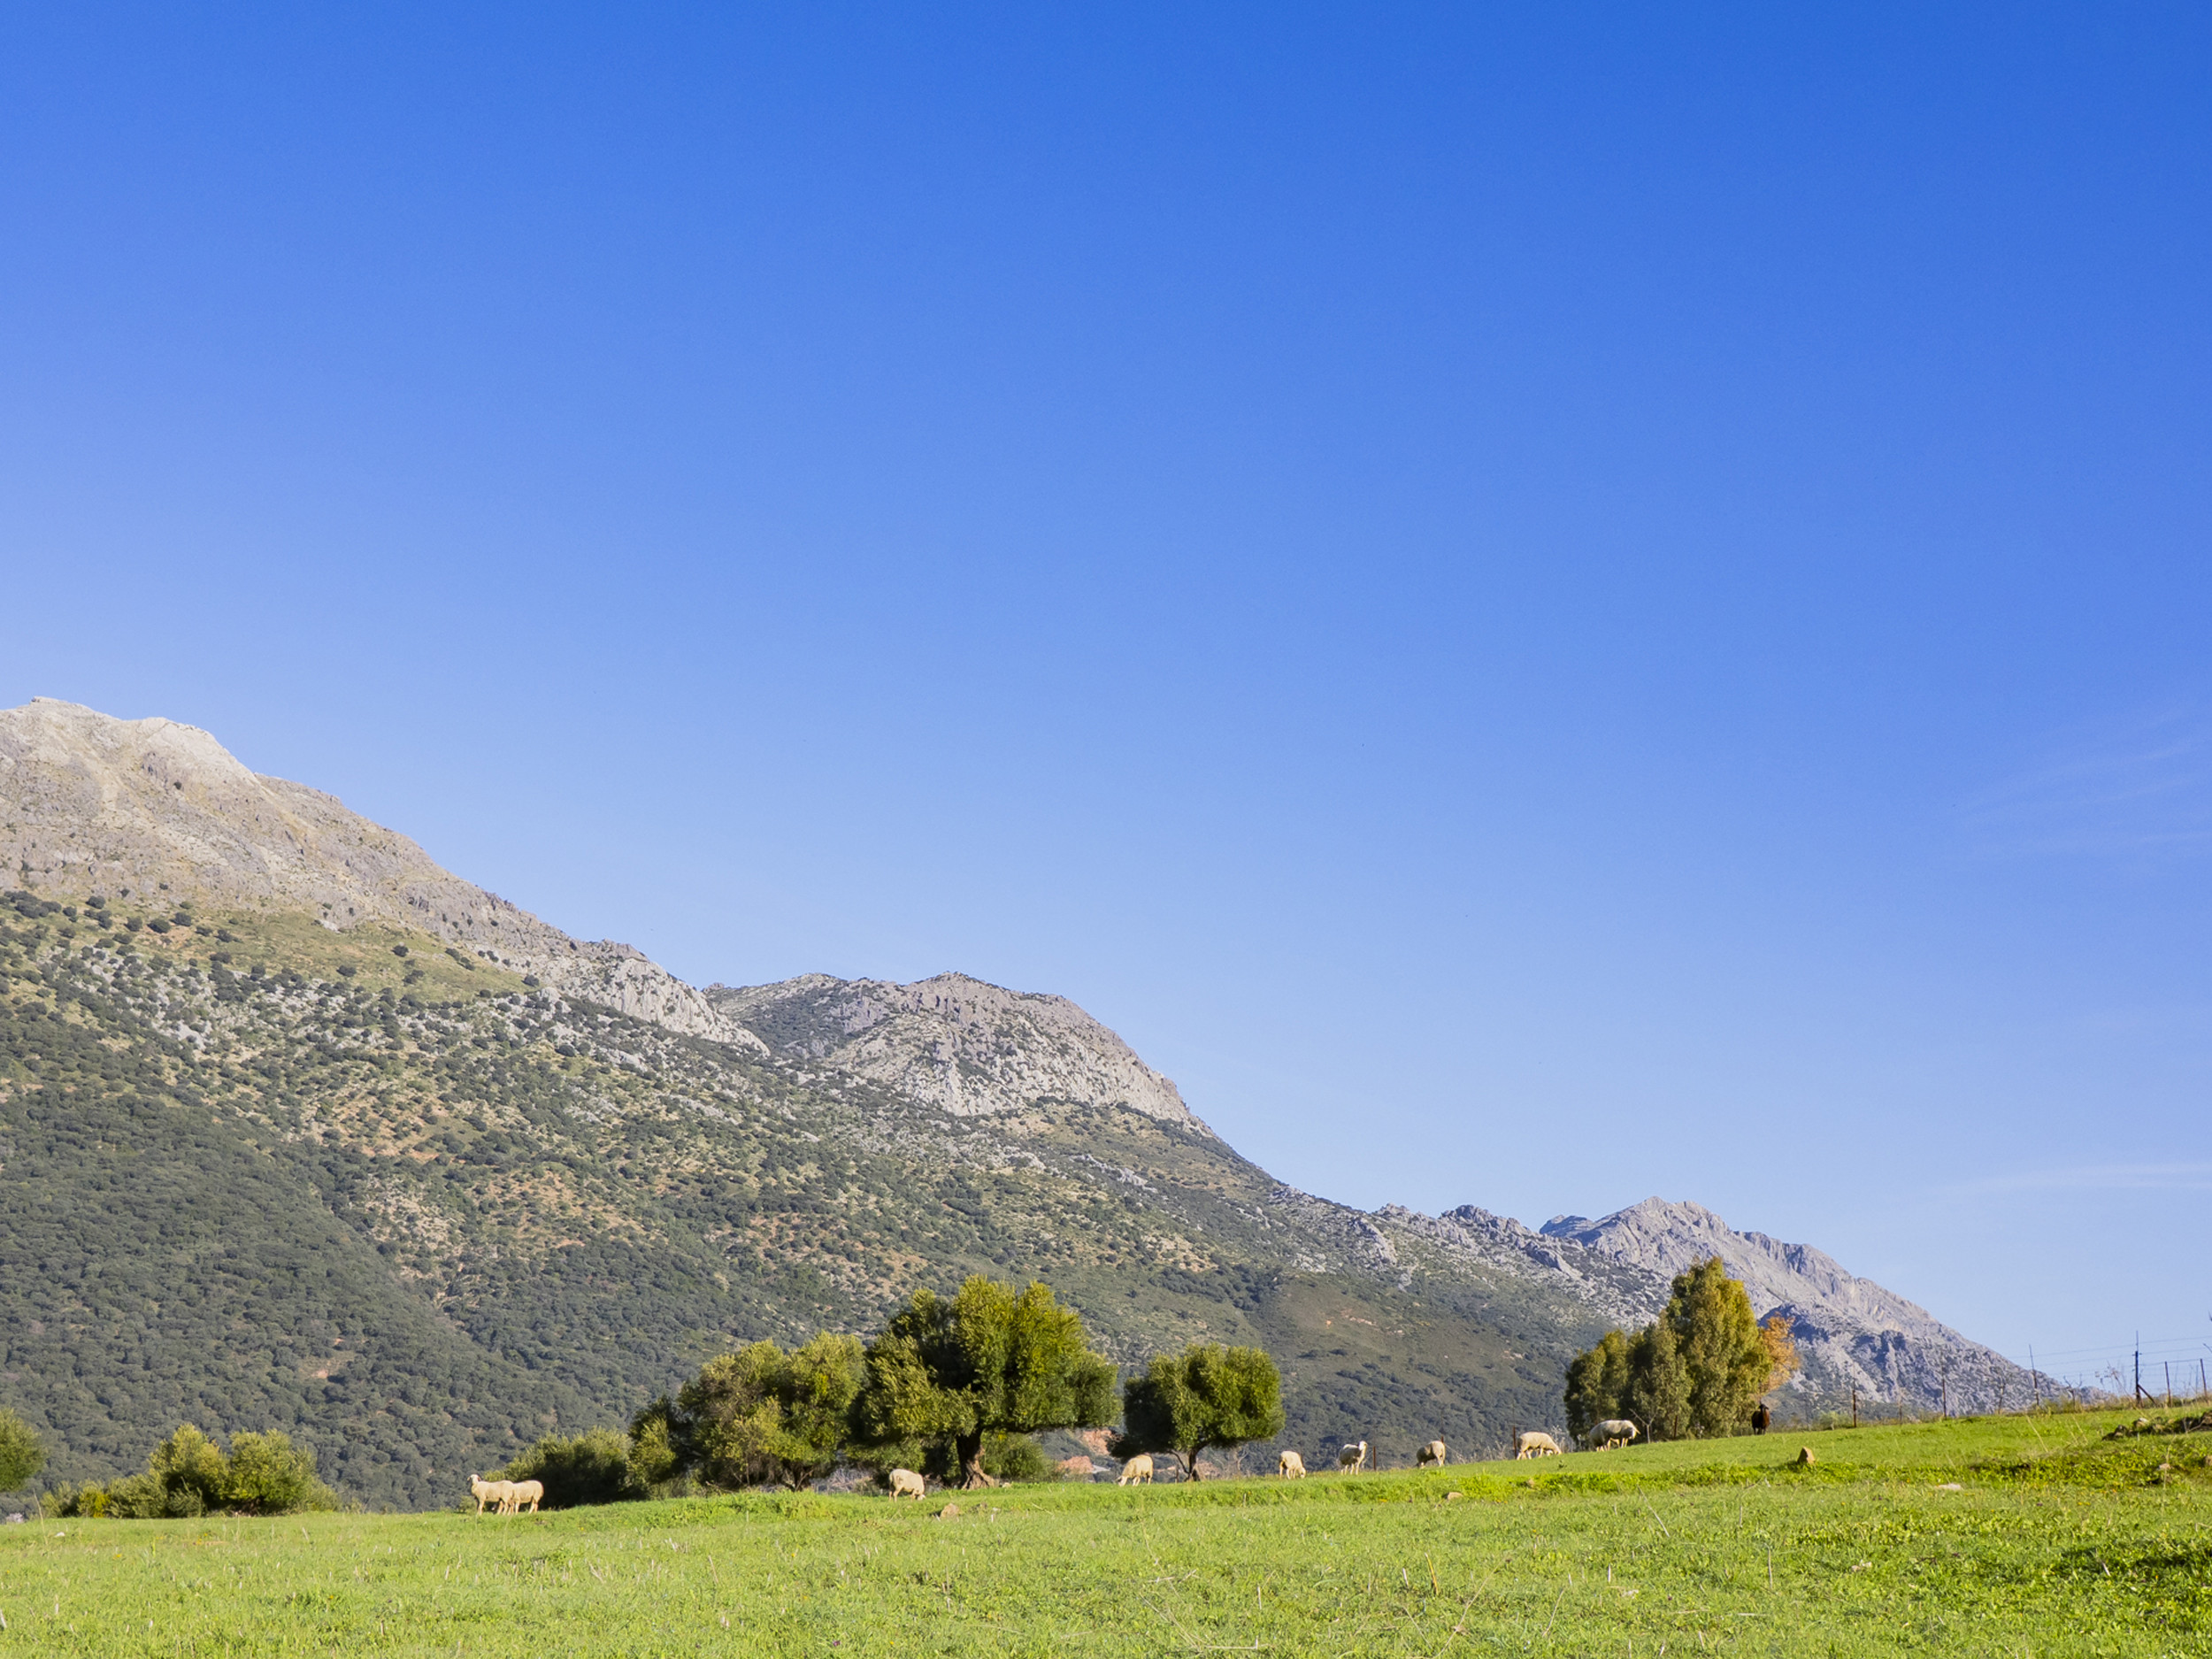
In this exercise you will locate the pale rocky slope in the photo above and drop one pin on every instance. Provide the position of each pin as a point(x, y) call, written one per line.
point(92, 805)
point(955, 1045)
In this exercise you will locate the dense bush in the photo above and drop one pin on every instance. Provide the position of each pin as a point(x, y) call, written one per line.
point(22, 1456)
point(597, 1466)
point(761, 1416)
point(189, 1474)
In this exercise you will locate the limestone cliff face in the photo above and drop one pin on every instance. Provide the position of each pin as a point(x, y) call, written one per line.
point(955, 1045)
point(89, 803)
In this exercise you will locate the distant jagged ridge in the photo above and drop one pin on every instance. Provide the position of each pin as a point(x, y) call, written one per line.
point(93, 804)
point(1850, 1332)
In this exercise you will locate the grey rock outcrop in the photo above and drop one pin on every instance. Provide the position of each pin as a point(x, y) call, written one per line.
point(954, 1045)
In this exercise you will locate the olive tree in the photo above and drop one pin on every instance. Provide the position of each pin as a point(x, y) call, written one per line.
point(988, 1361)
point(1208, 1395)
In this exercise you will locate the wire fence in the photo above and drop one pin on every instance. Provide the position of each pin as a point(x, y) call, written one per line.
point(2148, 1370)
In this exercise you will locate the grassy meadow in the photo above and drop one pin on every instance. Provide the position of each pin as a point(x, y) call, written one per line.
point(2055, 1541)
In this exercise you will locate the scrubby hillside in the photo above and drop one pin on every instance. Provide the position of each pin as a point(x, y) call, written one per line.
point(299, 1130)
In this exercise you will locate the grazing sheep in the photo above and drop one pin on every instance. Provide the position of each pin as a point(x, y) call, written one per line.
point(906, 1484)
point(1432, 1453)
point(1351, 1457)
point(1137, 1468)
point(1614, 1432)
point(1760, 1418)
point(1290, 1466)
point(522, 1492)
point(1536, 1443)
point(492, 1492)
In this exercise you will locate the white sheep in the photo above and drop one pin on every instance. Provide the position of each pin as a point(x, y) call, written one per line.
point(1536, 1443)
point(522, 1492)
point(1290, 1466)
point(1351, 1457)
point(492, 1492)
point(1137, 1468)
point(906, 1484)
point(1432, 1453)
point(1614, 1432)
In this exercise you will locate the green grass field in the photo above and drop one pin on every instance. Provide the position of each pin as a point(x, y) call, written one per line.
point(2056, 1542)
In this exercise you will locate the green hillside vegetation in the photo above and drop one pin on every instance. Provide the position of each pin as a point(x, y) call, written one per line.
point(2033, 1533)
point(258, 1175)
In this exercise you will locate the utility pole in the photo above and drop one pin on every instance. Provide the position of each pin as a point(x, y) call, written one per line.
point(2139, 1365)
point(2035, 1375)
point(1854, 1405)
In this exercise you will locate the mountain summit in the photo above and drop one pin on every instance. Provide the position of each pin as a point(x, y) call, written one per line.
point(300, 1131)
point(97, 805)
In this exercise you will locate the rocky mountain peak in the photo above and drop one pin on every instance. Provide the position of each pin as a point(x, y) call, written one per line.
point(1851, 1331)
point(93, 804)
point(955, 1044)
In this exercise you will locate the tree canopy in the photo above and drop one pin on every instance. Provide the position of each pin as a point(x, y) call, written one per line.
point(990, 1360)
point(1208, 1395)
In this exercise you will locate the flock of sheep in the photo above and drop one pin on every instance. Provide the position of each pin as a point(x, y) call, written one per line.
point(512, 1494)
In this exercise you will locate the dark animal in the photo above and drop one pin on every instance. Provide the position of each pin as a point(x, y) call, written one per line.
point(1760, 1418)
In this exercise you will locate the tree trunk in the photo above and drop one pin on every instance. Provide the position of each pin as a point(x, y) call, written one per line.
point(972, 1475)
point(1190, 1461)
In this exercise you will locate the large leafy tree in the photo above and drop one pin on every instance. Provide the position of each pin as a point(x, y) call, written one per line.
point(1696, 1369)
point(757, 1416)
point(1718, 1335)
point(1597, 1384)
point(990, 1360)
point(1657, 1398)
point(1781, 1350)
point(1207, 1395)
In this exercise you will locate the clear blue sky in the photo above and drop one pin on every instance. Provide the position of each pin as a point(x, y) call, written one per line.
point(1540, 610)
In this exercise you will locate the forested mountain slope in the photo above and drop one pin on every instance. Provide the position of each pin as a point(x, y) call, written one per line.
point(277, 1151)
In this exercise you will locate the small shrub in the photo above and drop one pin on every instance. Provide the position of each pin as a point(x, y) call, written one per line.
point(348, 971)
point(159, 925)
point(399, 951)
point(530, 980)
point(268, 1475)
